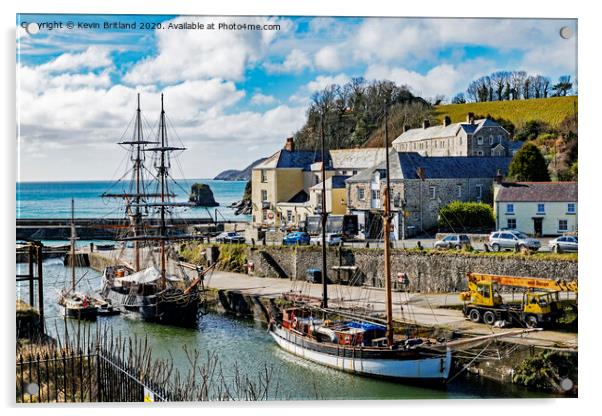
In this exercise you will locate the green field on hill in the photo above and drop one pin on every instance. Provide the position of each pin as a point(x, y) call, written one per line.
point(551, 110)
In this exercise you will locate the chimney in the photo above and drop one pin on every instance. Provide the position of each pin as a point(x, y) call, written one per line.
point(446, 121)
point(420, 172)
point(470, 118)
point(426, 124)
point(499, 178)
point(290, 144)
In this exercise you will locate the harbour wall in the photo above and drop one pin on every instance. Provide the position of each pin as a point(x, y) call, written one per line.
point(428, 271)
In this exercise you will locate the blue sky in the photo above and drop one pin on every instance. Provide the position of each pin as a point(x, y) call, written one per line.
point(233, 96)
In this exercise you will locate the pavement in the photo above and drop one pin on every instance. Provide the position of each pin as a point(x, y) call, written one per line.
point(422, 309)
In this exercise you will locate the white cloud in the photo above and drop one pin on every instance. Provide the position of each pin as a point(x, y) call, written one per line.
point(330, 58)
point(262, 99)
point(196, 54)
point(323, 81)
point(91, 58)
point(296, 61)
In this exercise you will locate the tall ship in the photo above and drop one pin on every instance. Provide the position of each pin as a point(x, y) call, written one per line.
point(360, 346)
point(144, 280)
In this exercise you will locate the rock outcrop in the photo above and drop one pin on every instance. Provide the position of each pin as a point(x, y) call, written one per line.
point(202, 195)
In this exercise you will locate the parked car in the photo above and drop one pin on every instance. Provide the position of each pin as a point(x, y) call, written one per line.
point(332, 239)
point(564, 243)
point(456, 241)
point(230, 237)
point(511, 239)
point(296, 238)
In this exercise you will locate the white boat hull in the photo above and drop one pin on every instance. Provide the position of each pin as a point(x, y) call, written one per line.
point(435, 368)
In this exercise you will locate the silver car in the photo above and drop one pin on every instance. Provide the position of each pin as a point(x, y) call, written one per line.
point(512, 239)
point(564, 243)
point(456, 241)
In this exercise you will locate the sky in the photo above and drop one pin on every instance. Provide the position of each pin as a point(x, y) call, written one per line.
point(233, 96)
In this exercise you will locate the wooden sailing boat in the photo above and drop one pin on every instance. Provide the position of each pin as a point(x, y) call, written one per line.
point(154, 293)
point(358, 346)
point(75, 304)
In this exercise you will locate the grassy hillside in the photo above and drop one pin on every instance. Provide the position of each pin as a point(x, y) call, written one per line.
point(550, 110)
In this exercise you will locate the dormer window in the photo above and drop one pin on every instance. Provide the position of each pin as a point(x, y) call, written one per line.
point(480, 140)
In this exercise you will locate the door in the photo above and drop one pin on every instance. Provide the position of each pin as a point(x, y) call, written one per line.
point(537, 226)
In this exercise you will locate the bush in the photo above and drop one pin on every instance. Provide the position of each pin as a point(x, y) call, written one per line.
point(529, 165)
point(459, 215)
point(232, 257)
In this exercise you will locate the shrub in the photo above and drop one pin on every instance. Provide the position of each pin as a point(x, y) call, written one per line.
point(529, 165)
point(459, 215)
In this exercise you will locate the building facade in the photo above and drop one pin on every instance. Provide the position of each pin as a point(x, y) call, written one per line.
point(420, 186)
point(537, 208)
point(483, 137)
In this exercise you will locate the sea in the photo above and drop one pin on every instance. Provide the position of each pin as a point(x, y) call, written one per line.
point(53, 199)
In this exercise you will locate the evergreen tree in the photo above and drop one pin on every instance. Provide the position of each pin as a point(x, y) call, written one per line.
point(528, 165)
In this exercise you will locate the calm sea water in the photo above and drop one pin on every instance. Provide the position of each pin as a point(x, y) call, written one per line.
point(246, 344)
point(53, 199)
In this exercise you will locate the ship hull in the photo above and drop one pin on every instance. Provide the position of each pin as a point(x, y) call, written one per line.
point(182, 311)
point(85, 314)
point(390, 364)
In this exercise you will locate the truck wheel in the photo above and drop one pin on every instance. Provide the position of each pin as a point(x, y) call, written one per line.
point(474, 315)
point(458, 247)
point(531, 321)
point(489, 318)
point(495, 247)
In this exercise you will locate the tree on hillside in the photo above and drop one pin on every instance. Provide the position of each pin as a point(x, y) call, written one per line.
point(563, 86)
point(528, 165)
point(509, 85)
point(459, 99)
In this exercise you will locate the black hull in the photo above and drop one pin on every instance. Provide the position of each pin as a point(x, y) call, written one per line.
point(88, 314)
point(179, 312)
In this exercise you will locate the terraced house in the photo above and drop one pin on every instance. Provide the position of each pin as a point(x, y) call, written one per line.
point(419, 187)
point(287, 186)
point(483, 137)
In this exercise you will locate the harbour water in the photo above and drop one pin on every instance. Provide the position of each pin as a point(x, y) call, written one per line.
point(53, 199)
point(247, 345)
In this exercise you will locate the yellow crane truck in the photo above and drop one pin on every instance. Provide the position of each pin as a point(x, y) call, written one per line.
point(540, 303)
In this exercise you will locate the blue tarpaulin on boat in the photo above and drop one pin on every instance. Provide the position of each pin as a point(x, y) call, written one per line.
point(366, 326)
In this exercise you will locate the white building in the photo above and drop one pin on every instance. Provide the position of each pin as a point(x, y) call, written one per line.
point(537, 208)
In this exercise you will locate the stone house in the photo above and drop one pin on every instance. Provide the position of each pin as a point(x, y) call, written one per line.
point(287, 186)
point(419, 187)
point(483, 137)
point(536, 208)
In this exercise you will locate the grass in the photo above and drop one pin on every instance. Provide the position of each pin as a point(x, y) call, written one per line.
point(550, 110)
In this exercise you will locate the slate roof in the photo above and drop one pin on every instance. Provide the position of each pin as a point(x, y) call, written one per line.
point(404, 165)
point(356, 158)
point(538, 192)
point(440, 131)
point(300, 196)
point(334, 182)
point(286, 159)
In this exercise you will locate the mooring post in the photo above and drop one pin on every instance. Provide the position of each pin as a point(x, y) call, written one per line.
point(31, 289)
point(40, 287)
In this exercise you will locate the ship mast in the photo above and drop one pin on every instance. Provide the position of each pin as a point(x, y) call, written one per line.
point(387, 231)
point(72, 239)
point(137, 173)
point(162, 207)
point(324, 215)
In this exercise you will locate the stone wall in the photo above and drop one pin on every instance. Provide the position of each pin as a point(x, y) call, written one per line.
point(428, 271)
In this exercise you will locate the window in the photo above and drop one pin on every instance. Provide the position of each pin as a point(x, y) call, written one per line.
point(375, 194)
point(479, 140)
point(490, 139)
point(563, 225)
point(509, 208)
point(511, 224)
point(459, 191)
point(433, 191)
point(480, 153)
point(264, 195)
point(319, 198)
point(289, 215)
point(360, 194)
point(264, 215)
point(541, 208)
point(460, 139)
point(264, 176)
point(316, 179)
point(479, 192)
point(499, 138)
point(570, 208)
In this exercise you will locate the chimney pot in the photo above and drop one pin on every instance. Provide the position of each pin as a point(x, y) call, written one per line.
point(470, 118)
point(426, 124)
point(499, 178)
point(446, 121)
point(290, 144)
